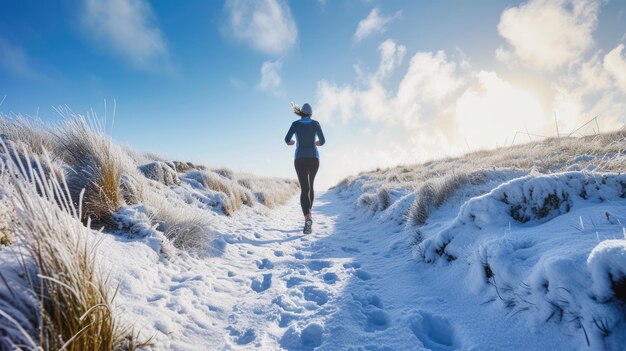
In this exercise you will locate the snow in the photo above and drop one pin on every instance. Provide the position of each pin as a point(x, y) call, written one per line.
point(546, 249)
point(515, 262)
point(354, 283)
point(607, 264)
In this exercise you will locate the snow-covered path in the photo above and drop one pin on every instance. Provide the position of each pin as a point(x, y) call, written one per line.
point(351, 285)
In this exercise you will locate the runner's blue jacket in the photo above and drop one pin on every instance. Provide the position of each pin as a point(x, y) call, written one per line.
point(305, 130)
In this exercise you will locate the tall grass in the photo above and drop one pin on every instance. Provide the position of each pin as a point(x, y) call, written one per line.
point(269, 191)
point(161, 172)
point(236, 195)
point(97, 166)
point(33, 135)
point(74, 297)
point(110, 176)
point(186, 227)
point(436, 191)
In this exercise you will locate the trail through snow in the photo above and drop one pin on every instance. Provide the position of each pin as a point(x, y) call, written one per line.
point(351, 285)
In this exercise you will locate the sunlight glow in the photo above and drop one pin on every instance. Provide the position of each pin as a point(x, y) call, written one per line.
point(487, 115)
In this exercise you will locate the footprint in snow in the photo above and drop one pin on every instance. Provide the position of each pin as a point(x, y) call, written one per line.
point(377, 319)
point(262, 285)
point(286, 318)
point(293, 281)
point(319, 265)
point(435, 332)
point(299, 255)
point(330, 278)
point(288, 310)
point(363, 275)
point(265, 263)
point(350, 249)
point(372, 309)
point(242, 337)
point(312, 335)
point(183, 279)
point(309, 338)
point(314, 294)
point(279, 253)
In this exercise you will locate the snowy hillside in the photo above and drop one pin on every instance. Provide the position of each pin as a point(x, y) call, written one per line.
point(521, 248)
point(59, 179)
point(537, 229)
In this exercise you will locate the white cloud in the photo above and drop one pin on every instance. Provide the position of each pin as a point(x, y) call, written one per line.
point(374, 23)
point(431, 79)
point(333, 101)
point(391, 56)
point(270, 77)
point(128, 28)
point(615, 64)
point(593, 75)
point(265, 25)
point(488, 114)
point(548, 33)
point(15, 60)
point(427, 87)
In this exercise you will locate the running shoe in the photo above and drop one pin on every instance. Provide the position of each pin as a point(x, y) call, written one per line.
point(308, 223)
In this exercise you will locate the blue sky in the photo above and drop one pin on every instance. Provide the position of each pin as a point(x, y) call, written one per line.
point(391, 81)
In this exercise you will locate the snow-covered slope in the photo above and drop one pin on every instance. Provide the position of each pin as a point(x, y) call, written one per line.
point(544, 244)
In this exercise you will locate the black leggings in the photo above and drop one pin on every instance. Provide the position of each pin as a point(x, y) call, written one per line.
point(306, 169)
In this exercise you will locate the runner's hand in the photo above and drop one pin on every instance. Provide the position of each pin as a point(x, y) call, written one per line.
point(318, 143)
point(291, 142)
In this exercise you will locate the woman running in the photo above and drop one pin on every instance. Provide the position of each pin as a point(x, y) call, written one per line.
point(307, 159)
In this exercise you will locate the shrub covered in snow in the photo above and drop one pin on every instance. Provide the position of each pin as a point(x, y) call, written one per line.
point(607, 264)
point(531, 199)
point(161, 172)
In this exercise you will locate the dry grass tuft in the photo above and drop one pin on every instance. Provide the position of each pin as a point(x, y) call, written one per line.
point(269, 191)
point(30, 134)
point(236, 196)
point(75, 301)
point(7, 216)
point(187, 228)
point(384, 198)
point(161, 172)
point(225, 172)
point(182, 167)
point(436, 191)
point(97, 166)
